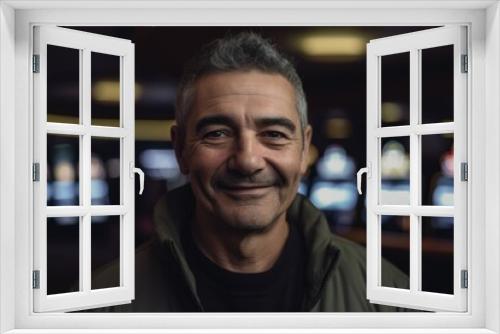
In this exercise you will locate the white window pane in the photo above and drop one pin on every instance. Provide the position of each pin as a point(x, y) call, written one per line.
point(437, 254)
point(105, 248)
point(395, 89)
point(437, 170)
point(395, 171)
point(395, 246)
point(106, 92)
point(63, 244)
point(63, 177)
point(63, 84)
point(437, 84)
point(105, 170)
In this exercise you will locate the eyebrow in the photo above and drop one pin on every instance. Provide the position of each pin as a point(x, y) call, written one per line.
point(260, 122)
point(211, 120)
point(280, 121)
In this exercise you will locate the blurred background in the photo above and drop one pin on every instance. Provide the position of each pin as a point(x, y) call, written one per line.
point(332, 64)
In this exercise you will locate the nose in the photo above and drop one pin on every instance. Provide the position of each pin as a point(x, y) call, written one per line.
point(246, 159)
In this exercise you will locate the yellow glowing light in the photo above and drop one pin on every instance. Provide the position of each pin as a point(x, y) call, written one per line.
point(108, 91)
point(313, 155)
point(327, 45)
point(153, 130)
point(338, 128)
point(391, 112)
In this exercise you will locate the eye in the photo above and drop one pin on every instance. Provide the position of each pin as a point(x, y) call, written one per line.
point(274, 135)
point(216, 134)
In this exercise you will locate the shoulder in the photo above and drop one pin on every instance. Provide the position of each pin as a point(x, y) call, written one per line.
point(347, 281)
point(350, 252)
point(353, 259)
point(350, 267)
point(156, 277)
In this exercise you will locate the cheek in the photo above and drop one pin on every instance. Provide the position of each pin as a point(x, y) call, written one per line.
point(204, 162)
point(289, 166)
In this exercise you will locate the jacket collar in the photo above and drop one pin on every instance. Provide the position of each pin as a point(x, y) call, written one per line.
point(322, 254)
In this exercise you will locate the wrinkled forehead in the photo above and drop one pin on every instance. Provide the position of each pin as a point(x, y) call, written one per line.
point(252, 93)
point(245, 82)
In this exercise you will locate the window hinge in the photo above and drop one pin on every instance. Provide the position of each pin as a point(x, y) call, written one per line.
point(464, 171)
point(36, 63)
point(464, 279)
point(465, 64)
point(36, 171)
point(36, 279)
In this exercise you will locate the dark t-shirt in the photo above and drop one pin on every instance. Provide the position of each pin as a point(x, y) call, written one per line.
point(279, 289)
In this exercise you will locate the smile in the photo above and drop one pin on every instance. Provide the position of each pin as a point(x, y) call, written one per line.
point(244, 192)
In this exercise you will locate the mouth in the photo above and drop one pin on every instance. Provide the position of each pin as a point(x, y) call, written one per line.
point(246, 192)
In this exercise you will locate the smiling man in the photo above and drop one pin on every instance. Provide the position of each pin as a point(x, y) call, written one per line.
point(244, 149)
point(238, 237)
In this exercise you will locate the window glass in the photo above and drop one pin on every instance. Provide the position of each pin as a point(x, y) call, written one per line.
point(106, 89)
point(437, 169)
point(63, 85)
point(105, 248)
point(105, 170)
point(63, 254)
point(395, 171)
point(63, 175)
point(395, 89)
point(437, 72)
point(395, 246)
point(437, 254)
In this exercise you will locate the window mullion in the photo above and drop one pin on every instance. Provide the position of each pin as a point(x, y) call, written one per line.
point(421, 210)
point(127, 195)
point(460, 155)
point(85, 176)
point(420, 129)
point(415, 172)
point(40, 155)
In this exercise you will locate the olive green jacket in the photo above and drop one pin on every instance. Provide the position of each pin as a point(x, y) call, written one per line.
point(335, 269)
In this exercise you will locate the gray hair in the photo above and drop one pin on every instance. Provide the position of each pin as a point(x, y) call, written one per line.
point(244, 51)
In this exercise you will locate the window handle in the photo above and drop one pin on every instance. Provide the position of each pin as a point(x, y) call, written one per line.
point(141, 179)
point(135, 170)
point(360, 174)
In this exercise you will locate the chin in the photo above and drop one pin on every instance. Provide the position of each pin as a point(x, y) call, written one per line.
point(250, 223)
point(248, 228)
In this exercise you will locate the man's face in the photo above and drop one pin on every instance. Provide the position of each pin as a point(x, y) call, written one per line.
point(243, 148)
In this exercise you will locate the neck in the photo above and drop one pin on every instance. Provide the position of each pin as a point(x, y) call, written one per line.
point(241, 252)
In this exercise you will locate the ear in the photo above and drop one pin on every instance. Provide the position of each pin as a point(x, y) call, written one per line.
point(304, 164)
point(177, 135)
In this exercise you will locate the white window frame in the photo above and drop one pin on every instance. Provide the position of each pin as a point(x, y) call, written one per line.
point(85, 44)
point(16, 21)
point(413, 44)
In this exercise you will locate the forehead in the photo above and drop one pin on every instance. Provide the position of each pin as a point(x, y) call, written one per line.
point(249, 93)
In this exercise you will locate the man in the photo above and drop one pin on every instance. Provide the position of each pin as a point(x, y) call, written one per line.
point(238, 238)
